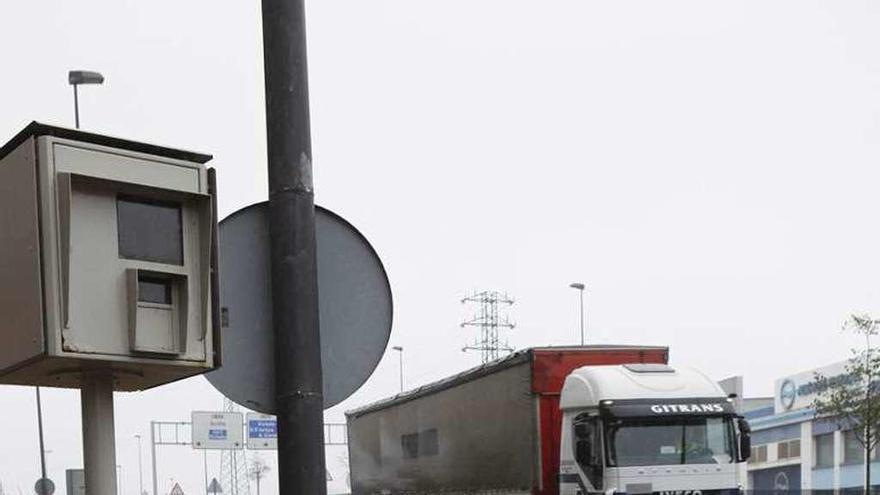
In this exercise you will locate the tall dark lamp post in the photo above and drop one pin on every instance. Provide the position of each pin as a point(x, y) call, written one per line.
point(399, 349)
point(77, 77)
point(580, 287)
point(40, 430)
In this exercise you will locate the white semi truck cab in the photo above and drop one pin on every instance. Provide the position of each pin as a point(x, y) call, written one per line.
point(649, 429)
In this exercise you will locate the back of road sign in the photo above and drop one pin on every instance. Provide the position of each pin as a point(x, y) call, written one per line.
point(354, 298)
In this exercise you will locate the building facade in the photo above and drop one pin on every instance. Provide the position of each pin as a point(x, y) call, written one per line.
point(792, 450)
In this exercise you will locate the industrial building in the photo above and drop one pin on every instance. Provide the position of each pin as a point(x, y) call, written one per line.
point(792, 450)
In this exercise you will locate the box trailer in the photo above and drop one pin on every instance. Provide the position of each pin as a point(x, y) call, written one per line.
point(492, 429)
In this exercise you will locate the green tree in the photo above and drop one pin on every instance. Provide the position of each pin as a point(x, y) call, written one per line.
point(852, 400)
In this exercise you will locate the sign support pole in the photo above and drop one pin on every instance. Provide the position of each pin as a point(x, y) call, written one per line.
point(99, 443)
point(153, 447)
point(298, 378)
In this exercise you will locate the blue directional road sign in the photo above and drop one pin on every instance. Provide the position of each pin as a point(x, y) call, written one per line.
point(262, 432)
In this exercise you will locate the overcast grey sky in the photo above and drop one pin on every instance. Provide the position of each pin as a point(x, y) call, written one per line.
point(707, 168)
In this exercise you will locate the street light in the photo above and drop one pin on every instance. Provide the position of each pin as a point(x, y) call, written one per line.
point(400, 350)
point(77, 77)
point(258, 470)
point(580, 287)
point(140, 468)
point(40, 431)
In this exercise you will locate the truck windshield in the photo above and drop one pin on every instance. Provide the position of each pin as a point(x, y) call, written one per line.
point(669, 441)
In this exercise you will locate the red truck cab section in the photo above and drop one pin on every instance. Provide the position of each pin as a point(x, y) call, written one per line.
point(549, 368)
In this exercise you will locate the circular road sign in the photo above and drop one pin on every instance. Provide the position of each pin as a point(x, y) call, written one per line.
point(354, 299)
point(44, 486)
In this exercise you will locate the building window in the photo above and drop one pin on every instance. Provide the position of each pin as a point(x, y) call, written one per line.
point(759, 454)
point(428, 444)
point(824, 450)
point(790, 449)
point(853, 451)
point(421, 444)
point(410, 445)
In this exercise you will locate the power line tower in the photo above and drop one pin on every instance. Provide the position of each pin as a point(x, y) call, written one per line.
point(489, 320)
point(233, 464)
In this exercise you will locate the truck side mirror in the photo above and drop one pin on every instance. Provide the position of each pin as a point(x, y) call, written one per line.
point(584, 448)
point(745, 440)
point(584, 452)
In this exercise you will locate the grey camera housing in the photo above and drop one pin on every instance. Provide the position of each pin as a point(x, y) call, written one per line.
point(107, 260)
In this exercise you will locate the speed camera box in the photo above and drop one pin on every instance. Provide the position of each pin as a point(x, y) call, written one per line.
point(107, 260)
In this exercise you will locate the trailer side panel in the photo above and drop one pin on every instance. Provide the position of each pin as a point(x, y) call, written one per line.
point(478, 435)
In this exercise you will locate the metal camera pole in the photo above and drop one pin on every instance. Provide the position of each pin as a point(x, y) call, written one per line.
point(298, 379)
point(99, 442)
